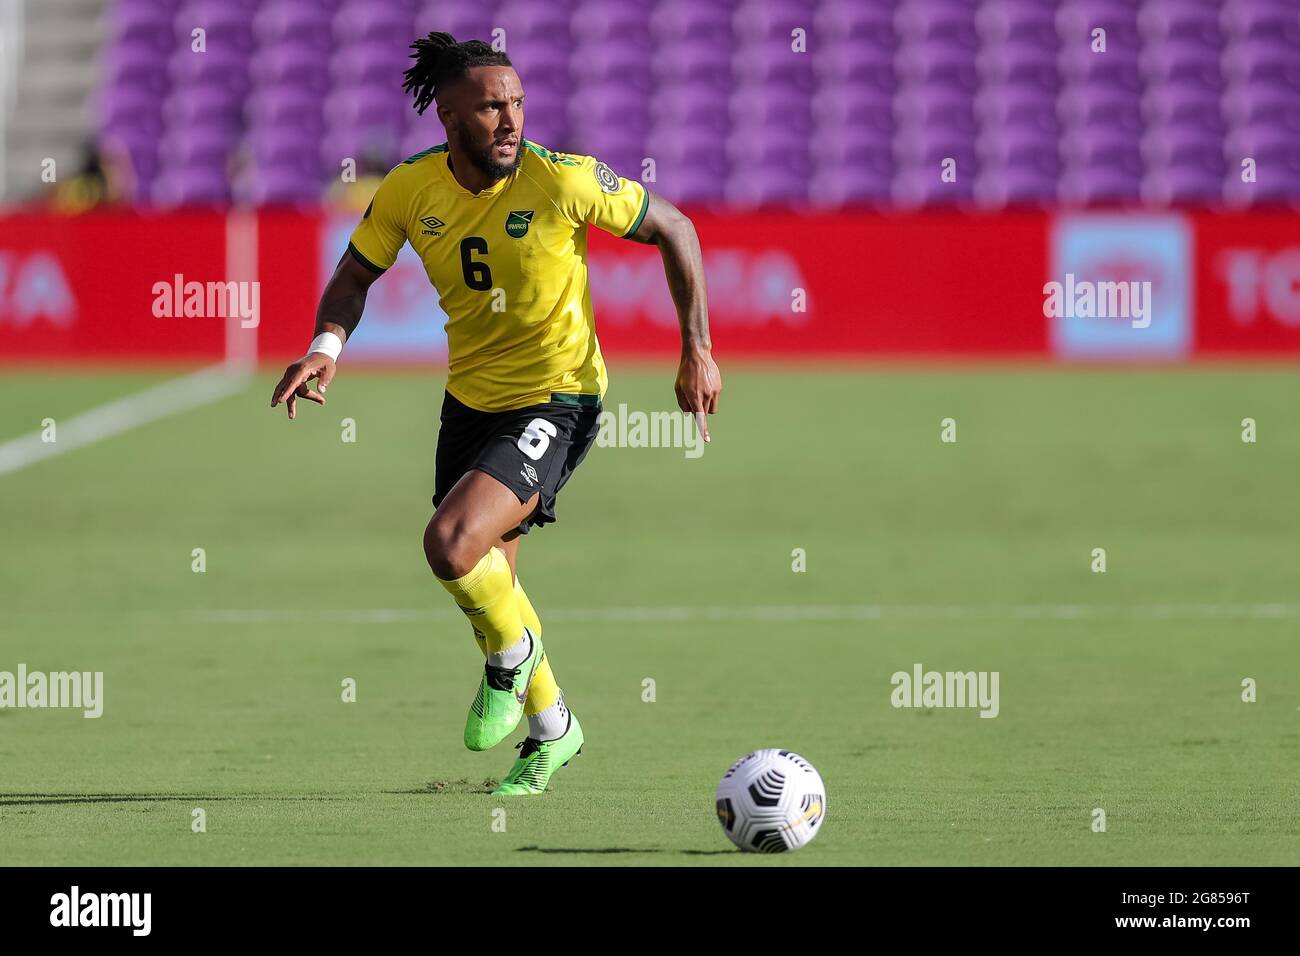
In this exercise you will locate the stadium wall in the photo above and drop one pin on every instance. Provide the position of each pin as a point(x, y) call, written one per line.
point(781, 285)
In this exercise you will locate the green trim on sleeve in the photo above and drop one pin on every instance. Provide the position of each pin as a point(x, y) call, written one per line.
point(645, 205)
point(366, 262)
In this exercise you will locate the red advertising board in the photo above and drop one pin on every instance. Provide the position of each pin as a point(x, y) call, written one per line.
point(781, 284)
point(1247, 283)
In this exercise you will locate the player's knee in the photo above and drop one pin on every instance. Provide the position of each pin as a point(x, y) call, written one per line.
point(451, 547)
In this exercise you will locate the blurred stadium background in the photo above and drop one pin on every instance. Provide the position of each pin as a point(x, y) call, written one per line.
point(809, 138)
point(858, 297)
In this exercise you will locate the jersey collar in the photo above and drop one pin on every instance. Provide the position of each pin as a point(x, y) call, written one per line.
point(444, 167)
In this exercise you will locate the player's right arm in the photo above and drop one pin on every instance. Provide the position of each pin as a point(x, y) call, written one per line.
point(341, 305)
point(372, 250)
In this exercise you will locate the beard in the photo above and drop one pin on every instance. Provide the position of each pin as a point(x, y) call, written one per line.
point(481, 157)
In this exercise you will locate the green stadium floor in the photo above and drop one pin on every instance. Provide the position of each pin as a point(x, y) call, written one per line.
point(1118, 690)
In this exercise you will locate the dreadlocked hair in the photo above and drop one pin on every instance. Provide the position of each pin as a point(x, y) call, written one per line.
point(441, 61)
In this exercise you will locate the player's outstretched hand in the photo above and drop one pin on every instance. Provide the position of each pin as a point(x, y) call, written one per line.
point(699, 383)
point(293, 385)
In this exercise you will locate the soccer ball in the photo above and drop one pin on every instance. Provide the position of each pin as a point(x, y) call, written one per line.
point(771, 801)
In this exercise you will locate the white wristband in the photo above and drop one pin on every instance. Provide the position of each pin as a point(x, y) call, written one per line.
point(327, 343)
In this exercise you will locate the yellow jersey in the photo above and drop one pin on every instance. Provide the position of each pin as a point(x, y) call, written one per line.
point(510, 266)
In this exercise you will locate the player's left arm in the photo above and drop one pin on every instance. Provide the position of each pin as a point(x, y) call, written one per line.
point(699, 383)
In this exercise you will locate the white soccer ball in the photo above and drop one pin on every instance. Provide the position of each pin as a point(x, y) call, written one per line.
point(771, 801)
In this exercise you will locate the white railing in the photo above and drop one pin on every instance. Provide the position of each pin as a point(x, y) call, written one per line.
point(11, 55)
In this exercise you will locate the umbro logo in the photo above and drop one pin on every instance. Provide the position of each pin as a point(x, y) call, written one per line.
point(431, 226)
point(530, 475)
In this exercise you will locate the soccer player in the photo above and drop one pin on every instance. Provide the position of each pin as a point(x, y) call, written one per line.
point(501, 226)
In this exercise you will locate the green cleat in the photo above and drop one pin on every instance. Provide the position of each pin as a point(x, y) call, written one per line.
point(500, 700)
point(538, 759)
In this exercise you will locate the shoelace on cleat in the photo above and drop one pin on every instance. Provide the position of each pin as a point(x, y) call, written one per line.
point(501, 678)
point(527, 747)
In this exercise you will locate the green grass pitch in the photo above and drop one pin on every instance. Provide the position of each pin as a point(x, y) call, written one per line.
point(1119, 690)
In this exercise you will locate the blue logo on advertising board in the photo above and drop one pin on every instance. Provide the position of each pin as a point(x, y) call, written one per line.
point(1120, 287)
point(403, 320)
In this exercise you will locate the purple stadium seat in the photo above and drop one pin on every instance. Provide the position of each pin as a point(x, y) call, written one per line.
point(595, 23)
point(771, 107)
point(759, 187)
point(617, 63)
point(285, 106)
point(468, 22)
point(843, 62)
point(302, 22)
point(140, 23)
point(278, 186)
point(693, 60)
point(917, 187)
point(1019, 62)
point(1182, 185)
point(936, 105)
point(1182, 146)
point(373, 105)
point(674, 22)
point(290, 65)
point(849, 109)
point(1263, 59)
point(130, 111)
point(428, 132)
point(540, 62)
point(369, 63)
point(1244, 105)
point(1262, 18)
point(711, 90)
point(1020, 147)
point(1103, 185)
point(227, 26)
point(773, 62)
point(205, 145)
point(1016, 105)
point(136, 64)
point(937, 61)
point(523, 20)
point(549, 130)
point(1182, 62)
point(857, 183)
point(192, 186)
point(360, 21)
point(202, 105)
point(1175, 103)
point(1028, 21)
point(594, 108)
point(943, 20)
point(217, 67)
point(772, 20)
point(868, 26)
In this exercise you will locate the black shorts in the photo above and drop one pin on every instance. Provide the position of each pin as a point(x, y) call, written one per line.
point(529, 450)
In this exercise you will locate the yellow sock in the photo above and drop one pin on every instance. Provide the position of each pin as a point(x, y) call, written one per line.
point(531, 620)
point(487, 596)
point(543, 691)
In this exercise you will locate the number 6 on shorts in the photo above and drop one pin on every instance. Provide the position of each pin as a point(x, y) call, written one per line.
point(536, 437)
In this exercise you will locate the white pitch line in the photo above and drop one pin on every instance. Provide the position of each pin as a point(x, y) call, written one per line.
point(159, 401)
point(767, 613)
